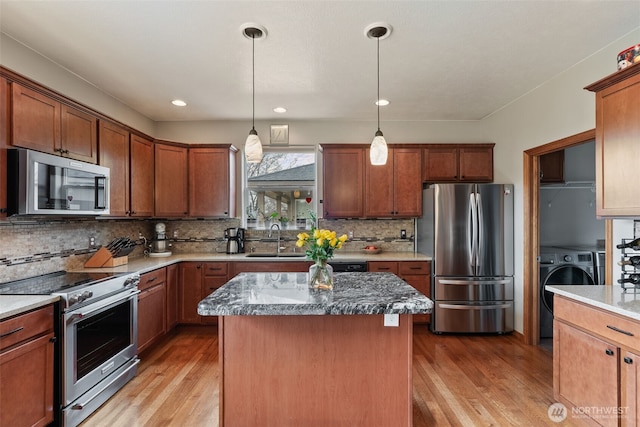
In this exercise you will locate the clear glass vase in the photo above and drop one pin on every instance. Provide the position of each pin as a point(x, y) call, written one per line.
point(321, 276)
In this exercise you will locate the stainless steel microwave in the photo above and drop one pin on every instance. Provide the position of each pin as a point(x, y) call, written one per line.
point(43, 184)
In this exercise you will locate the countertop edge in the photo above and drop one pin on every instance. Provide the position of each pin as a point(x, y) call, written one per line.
point(613, 294)
point(12, 305)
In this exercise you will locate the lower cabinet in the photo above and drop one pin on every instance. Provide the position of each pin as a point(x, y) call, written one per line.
point(595, 363)
point(26, 369)
point(172, 296)
point(197, 280)
point(415, 273)
point(151, 308)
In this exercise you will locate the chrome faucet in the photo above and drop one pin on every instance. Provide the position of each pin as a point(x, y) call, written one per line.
point(270, 233)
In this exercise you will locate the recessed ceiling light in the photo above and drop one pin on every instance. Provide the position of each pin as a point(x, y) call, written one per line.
point(280, 110)
point(382, 102)
point(178, 103)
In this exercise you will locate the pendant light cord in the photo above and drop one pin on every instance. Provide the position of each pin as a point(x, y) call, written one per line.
point(253, 80)
point(378, 100)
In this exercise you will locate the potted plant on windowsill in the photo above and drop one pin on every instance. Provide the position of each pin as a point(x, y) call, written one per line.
point(284, 222)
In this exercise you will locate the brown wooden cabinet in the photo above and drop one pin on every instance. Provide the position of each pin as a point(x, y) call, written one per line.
point(394, 189)
point(415, 273)
point(171, 181)
point(216, 274)
point(173, 280)
point(197, 281)
point(42, 123)
point(617, 147)
point(212, 178)
point(26, 369)
point(595, 361)
point(458, 163)
point(4, 142)
point(343, 182)
point(552, 167)
point(151, 307)
point(114, 154)
point(141, 176)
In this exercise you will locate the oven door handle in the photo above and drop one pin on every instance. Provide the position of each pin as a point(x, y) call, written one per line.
point(108, 302)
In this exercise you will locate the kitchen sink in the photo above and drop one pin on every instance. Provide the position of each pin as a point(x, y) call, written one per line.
point(275, 255)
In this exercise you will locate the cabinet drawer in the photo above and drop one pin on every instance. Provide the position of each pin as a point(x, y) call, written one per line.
point(25, 326)
point(609, 326)
point(215, 269)
point(383, 267)
point(414, 267)
point(152, 278)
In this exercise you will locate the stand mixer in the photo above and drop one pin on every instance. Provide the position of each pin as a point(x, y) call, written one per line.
point(160, 245)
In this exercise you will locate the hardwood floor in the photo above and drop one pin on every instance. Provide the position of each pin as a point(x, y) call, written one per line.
point(457, 381)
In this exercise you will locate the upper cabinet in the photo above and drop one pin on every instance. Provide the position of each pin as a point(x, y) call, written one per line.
point(395, 189)
point(141, 176)
point(212, 189)
point(171, 181)
point(4, 142)
point(458, 163)
point(343, 181)
point(44, 124)
point(617, 147)
point(552, 167)
point(114, 154)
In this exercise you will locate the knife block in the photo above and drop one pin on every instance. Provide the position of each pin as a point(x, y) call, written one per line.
point(103, 258)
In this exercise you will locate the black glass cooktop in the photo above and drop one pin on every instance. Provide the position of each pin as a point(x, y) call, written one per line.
point(48, 284)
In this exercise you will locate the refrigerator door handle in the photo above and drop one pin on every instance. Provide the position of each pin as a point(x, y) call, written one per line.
point(474, 282)
point(474, 307)
point(472, 245)
point(480, 233)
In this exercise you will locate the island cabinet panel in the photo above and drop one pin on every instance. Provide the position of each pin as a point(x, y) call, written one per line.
point(617, 146)
point(171, 181)
point(315, 370)
point(212, 180)
point(458, 163)
point(595, 361)
point(44, 124)
point(173, 278)
point(343, 182)
point(4, 142)
point(394, 189)
point(142, 172)
point(151, 307)
point(114, 154)
point(27, 369)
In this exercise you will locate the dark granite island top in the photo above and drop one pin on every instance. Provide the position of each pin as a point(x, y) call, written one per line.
point(290, 356)
point(250, 294)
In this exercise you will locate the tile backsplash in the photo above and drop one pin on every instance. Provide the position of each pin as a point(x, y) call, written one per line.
point(32, 247)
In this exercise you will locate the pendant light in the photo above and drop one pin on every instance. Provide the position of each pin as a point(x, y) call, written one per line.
point(378, 152)
point(253, 146)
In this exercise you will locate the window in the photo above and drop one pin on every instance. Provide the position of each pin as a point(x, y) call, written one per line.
point(281, 188)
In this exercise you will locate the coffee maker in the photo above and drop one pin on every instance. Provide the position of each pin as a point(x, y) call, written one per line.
point(160, 244)
point(235, 240)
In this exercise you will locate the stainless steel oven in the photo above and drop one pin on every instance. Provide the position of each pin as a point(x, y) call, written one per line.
point(99, 348)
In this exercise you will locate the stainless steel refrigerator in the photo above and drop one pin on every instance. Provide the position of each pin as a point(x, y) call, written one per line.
point(468, 230)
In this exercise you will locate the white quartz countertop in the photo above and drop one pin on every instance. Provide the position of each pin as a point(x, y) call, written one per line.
point(10, 305)
point(611, 298)
point(145, 264)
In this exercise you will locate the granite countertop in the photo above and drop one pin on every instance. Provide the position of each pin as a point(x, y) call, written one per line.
point(10, 305)
point(145, 264)
point(611, 298)
point(251, 294)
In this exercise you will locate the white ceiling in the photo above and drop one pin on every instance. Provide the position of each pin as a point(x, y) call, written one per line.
point(445, 60)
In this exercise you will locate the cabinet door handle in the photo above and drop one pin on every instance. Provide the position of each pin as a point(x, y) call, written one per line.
point(619, 330)
point(12, 332)
point(628, 360)
point(609, 352)
point(151, 279)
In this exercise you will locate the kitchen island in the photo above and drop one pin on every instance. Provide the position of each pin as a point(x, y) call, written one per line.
point(291, 356)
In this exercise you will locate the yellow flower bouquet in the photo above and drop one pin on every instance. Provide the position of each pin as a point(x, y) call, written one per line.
point(320, 245)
